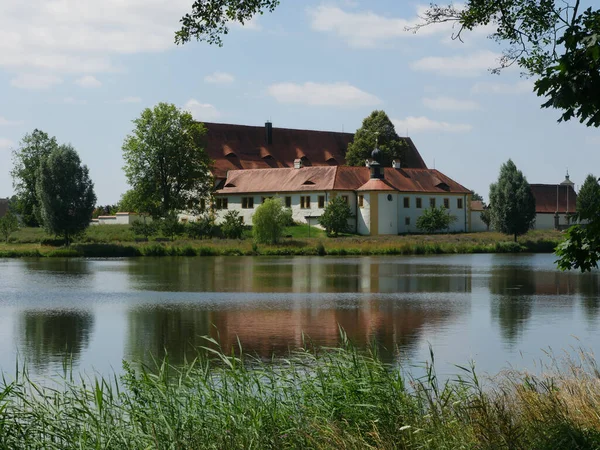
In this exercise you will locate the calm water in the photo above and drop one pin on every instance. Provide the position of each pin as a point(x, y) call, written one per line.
point(494, 309)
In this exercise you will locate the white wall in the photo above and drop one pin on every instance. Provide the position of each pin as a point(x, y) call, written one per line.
point(234, 203)
point(477, 225)
point(414, 213)
point(364, 215)
point(545, 221)
point(388, 212)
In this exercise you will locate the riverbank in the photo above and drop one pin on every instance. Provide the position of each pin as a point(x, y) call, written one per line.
point(337, 398)
point(110, 245)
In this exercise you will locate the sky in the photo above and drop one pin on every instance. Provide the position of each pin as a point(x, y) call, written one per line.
point(82, 70)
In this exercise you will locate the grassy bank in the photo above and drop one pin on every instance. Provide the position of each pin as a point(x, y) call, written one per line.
point(114, 241)
point(330, 399)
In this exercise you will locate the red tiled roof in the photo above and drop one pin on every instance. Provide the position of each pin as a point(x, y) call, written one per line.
point(244, 147)
point(545, 198)
point(476, 205)
point(375, 184)
point(343, 178)
point(3, 206)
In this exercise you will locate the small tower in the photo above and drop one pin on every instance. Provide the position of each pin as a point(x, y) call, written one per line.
point(375, 165)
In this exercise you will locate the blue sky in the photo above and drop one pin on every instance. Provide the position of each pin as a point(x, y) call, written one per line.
point(82, 70)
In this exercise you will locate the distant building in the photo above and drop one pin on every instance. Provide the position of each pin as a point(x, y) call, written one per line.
point(120, 218)
point(384, 200)
point(3, 206)
point(235, 147)
point(553, 204)
point(476, 223)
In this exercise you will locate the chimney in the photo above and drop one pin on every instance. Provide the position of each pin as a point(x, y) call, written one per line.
point(396, 164)
point(268, 133)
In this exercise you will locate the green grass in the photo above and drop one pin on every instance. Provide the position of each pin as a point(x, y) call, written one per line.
point(302, 232)
point(338, 398)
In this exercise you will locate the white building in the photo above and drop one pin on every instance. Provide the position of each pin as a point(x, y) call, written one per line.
point(120, 218)
point(383, 200)
point(553, 204)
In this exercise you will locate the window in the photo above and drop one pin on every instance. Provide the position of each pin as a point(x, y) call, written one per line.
point(321, 201)
point(407, 202)
point(361, 201)
point(407, 221)
point(419, 203)
point(221, 203)
point(288, 202)
point(247, 202)
point(305, 201)
point(390, 198)
point(345, 197)
point(447, 203)
point(432, 202)
point(459, 204)
point(264, 198)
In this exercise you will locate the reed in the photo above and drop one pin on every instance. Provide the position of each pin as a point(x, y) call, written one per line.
point(313, 398)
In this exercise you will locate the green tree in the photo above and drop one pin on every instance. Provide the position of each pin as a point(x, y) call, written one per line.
point(486, 216)
point(435, 219)
point(8, 225)
point(144, 228)
point(165, 163)
point(269, 221)
point(130, 202)
point(65, 193)
point(208, 19)
point(335, 217)
point(233, 225)
point(204, 226)
point(553, 40)
point(377, 130)
point(27, 157)
point(588, 198)
point(476, 197)
point(512, 205)
point(170, 226)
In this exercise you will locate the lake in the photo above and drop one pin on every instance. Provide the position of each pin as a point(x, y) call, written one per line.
point(497, 310)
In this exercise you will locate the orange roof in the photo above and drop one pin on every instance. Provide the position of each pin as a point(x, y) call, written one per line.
point(340, 178)
point(244, 147)
point(545, 198)
point(375, 184)
point(477, 205)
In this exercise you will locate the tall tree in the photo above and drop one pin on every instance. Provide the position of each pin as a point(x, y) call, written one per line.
point(27, 157)
point(588, 198)
point(476, 197)
point(8, 225)
point(553, 40)
point(377, 130)
point(165, 163)
point(512, 205)
point(65, 193)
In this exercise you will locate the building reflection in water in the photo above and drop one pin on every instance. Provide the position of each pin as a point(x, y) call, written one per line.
point(390, 303)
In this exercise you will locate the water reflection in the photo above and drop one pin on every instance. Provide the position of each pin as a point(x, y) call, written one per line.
point(50, 335)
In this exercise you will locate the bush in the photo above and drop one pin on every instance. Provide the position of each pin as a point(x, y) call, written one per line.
point(203, 227)
point(171, 227)
point(145, 229)
point(335, 217)
point(435, 219)
point(8, 225)
point(233, 226)
point(269, 221)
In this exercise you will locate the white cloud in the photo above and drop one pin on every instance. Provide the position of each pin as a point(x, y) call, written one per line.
point(367, 29)
point(450, 104)
point(130, 99)
point(5, 143)
point(201, 111)
point(81, 36)
point(88, 81)
point(4, 122)
point(219, 78)
point(502, 88)
point(424, 124)
point(73, 101)
point(35, 81)
point(322, 94)
point(460, 66)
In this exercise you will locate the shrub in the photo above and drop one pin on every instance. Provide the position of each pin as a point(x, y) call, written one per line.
point(201, 228)
point(435, 219)
point(171, 227)
point(335, 217)
point(269, 221)
point(8, 225)
point(145, 229)
point(233, 226)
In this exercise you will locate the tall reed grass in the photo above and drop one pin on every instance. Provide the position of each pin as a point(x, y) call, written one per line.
point(337, 398)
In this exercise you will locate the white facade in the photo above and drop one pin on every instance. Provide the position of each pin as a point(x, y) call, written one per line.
point(477, 225)
point(545, 221)
point(121, 218)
